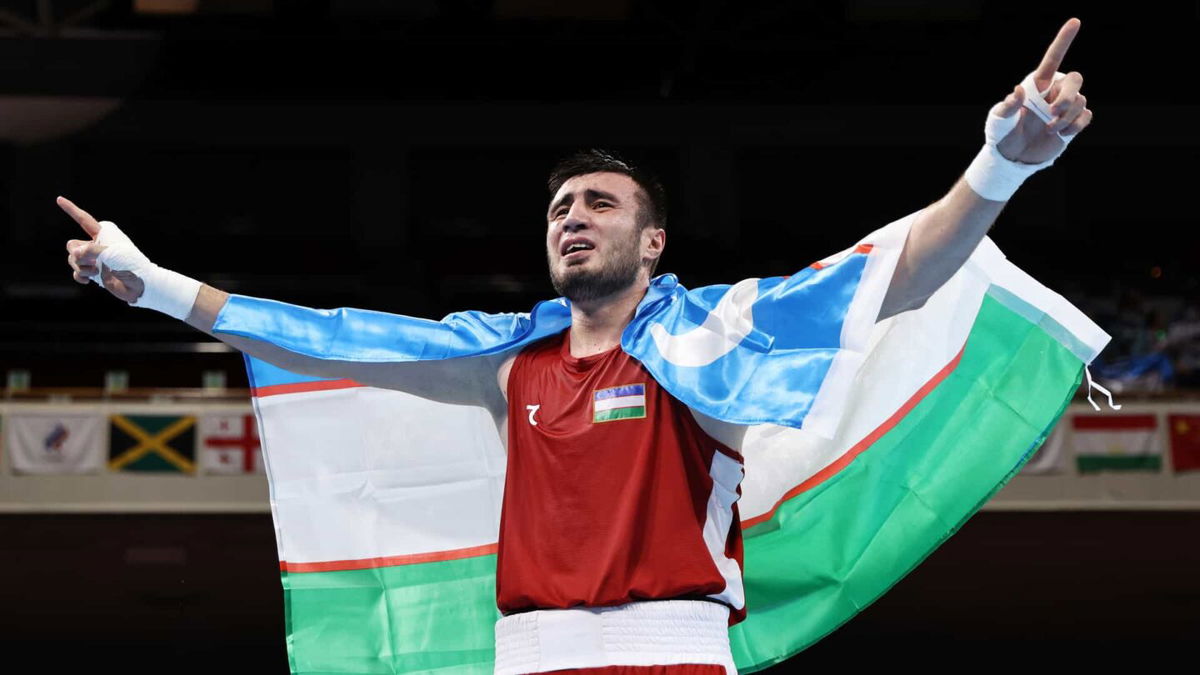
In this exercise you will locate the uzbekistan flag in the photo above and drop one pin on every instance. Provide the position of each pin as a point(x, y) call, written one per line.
point(871, 443)
point(619, 403)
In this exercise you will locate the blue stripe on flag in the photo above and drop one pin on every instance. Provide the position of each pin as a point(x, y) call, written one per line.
point(774, 373)
point(263, 374)
point(623, 390)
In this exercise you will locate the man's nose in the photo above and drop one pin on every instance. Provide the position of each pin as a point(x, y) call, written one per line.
point(576, 219)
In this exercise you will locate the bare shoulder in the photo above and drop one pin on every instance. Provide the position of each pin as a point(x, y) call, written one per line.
point(503, 371)
point(728, 433)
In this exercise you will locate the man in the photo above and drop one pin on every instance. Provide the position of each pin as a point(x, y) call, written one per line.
point(581, 417)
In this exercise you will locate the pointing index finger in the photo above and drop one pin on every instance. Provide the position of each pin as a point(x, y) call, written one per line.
point(1055, 54)
point(85, 219)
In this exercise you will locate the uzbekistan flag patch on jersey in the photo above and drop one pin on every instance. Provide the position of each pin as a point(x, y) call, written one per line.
point(625, 402)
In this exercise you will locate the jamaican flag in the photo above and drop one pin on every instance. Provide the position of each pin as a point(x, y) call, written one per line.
point(152, 443)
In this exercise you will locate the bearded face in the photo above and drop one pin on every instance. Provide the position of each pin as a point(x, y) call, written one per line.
point(596, 274)
point(595, 246)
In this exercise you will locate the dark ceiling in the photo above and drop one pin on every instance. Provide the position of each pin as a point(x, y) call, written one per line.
point(392, 155)
point(595, 50)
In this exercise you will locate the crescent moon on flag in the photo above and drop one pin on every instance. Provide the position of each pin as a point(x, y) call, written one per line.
point(723, 329)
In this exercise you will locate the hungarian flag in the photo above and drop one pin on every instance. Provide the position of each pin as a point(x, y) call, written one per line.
point(51, 442)
point(1185, 442)
point(1116, 443)
point(871, 443)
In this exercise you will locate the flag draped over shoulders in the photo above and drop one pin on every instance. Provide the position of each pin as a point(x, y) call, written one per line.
point(870, 444)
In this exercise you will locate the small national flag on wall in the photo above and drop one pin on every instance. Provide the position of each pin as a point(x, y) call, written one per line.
point(1116, 442)
point(163, 443)
point(1185, 442)
point(229, 444)
point(40, 443)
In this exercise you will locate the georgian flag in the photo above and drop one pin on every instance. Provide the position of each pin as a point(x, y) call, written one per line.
point(870, 444)
point(229, 444)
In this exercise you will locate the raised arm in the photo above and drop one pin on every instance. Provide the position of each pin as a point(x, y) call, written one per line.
point(466, 381)
point(1024, 133)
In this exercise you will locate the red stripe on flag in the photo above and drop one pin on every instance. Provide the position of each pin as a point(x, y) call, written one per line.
point(861, 248)
point(388, 561)
point(1114, 423)
point(858, 448)
point(299, 387)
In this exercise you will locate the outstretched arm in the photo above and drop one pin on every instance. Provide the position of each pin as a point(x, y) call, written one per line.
point(1019, 142)
point(466, 381)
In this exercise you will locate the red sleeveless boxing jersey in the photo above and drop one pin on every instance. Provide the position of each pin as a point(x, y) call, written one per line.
point(614, 493)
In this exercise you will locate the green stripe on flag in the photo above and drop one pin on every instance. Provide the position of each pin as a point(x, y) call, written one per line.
point(421, 618)
point(620, 414)
point(1119, 463)
point(824, 556)
point(831, 551)
point(1047, 323)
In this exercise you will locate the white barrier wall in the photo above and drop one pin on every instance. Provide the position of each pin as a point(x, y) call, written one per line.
point(1051, 481)
point(1065, 487)
point(109, 491)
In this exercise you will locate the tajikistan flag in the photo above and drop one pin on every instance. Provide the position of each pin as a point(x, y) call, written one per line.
point(870, 444)
point(1116, 442)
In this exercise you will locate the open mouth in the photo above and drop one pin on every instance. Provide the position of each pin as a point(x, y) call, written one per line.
point(575, 247)
point(577, 254)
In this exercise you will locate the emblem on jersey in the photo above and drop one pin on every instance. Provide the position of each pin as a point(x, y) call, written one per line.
point(626, 402)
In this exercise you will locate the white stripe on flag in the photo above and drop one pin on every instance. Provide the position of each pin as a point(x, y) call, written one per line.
point(620, 402)
point(1124, 443)
point(357, 473)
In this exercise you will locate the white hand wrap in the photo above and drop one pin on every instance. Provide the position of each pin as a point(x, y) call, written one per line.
point(992, 175)
point(168, 292)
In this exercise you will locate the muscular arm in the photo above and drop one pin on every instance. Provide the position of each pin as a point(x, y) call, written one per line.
point(947, 232)
point(465, 381)
point(941, 239)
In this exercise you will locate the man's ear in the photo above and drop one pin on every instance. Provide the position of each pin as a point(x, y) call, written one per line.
point(658, 240)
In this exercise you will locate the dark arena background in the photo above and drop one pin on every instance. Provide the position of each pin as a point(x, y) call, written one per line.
point(392, 155)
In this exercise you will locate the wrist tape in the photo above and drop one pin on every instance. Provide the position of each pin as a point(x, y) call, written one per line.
point(166, 291)
point(992, 175)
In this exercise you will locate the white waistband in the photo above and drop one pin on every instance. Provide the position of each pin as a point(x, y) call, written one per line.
point(659, 632)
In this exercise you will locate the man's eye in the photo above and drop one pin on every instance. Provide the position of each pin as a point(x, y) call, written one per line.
point(601, 204)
